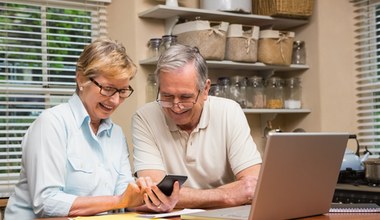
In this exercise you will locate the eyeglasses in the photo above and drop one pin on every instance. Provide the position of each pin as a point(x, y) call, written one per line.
point(183, 105)
point(110, 91)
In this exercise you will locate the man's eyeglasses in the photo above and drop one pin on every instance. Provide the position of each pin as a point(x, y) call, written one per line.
point(110, 91)
point(183, 105)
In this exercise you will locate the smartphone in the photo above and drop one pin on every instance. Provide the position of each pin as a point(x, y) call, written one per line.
point(166, 184)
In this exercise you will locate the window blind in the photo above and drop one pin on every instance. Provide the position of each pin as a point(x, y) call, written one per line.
point(367, 16)
point(40, 42)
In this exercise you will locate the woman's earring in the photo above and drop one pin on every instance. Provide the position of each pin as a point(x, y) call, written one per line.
point(81, 88)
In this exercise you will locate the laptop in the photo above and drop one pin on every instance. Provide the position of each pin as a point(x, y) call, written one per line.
point(297, 178)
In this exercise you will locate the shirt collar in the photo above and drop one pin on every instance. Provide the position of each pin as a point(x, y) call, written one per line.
point(82, 117)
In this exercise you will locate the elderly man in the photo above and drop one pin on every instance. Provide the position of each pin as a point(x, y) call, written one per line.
point(190, 133)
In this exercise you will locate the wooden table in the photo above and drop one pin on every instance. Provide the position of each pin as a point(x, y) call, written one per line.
point(328, 216)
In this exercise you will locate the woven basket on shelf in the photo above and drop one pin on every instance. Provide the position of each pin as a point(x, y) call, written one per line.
point(242, 42)
point(208, 36)
point(283, 8)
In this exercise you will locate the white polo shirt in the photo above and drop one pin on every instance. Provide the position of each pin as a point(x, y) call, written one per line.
point(218, 148)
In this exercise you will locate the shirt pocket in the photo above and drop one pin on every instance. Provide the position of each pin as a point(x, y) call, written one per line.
point(79, 165)
point(81, 177)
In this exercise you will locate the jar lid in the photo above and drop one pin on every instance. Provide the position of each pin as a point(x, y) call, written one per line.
point(299, 43)
point(293, 81)
point(169, 36)
point(223, 81)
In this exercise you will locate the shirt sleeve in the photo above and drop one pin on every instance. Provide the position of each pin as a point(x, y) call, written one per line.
point(44, 159)
point(242, 150)
point(146, 154)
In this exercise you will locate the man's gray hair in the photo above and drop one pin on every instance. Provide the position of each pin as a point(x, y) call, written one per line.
point(177, 56)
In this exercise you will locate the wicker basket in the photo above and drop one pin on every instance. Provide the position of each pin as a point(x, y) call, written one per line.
point(283, 8)
point(275, 47)
point(242, 43)
point(209, 37)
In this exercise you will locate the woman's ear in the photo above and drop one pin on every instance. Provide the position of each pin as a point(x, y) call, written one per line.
point(80, 79)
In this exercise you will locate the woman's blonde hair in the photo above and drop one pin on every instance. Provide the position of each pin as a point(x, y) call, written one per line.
point(106, 57)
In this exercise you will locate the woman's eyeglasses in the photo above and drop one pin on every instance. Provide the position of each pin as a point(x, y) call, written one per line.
point(110, 91)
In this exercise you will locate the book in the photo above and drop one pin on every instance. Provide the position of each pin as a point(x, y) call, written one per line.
point(354, 207)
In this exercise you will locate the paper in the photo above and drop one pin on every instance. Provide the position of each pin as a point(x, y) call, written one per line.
point(111, 217)
point(171, 214)
point(138, 216)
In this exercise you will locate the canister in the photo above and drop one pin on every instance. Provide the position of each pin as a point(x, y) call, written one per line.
point(255, 92)
point(154, 47)
point(224, 86)
point(299, 52)
point(238, 90)
point(274, 93)
point(293, 93)
point(167, 41)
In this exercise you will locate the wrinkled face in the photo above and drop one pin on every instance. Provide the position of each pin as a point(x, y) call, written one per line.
point(181, 86)
point(97, 105)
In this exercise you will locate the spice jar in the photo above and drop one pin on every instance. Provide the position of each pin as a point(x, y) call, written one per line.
point(255, 92)
point(151, 88)
point(238, 90)
point(167, 41)
point(154, 47)
point(299, 52)
point(293, 93)
point(224, 86)
point(274, 93)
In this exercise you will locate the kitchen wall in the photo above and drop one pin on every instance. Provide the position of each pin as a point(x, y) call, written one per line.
point(328, 86)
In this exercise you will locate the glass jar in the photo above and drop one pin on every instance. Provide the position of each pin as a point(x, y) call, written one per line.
point(167, 41)
point(154, 47)
point(151, 88)
point(238, 90)
point(214, 90)
point(293, 93)
point(299, 52)
point(224, 86)
point(274, 93)
point(255, 92)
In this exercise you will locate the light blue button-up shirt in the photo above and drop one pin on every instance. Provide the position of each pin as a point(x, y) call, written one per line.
point(62, 159)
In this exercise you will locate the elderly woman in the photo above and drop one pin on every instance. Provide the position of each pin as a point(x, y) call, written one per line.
point(75, 159)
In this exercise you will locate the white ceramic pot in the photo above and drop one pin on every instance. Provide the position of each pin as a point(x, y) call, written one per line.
point(227, 5)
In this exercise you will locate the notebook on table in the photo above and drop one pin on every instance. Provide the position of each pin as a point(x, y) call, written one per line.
point(297, 178)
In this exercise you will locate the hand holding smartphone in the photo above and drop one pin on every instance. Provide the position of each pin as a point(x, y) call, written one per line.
point(166, 184)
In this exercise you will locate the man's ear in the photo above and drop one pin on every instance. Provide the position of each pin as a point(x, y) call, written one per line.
point(206, 89)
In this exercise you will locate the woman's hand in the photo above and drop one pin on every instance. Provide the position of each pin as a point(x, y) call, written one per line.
point(133, 196)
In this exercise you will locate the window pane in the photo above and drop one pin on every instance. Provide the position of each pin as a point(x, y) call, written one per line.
point(39, 46)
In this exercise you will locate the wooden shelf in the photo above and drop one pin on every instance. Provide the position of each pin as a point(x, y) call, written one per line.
point(167, 12)
point(276, 111)
point(172, 14)
point(226, 64)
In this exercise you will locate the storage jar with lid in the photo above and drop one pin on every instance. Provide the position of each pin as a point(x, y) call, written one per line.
point(299, 52)
point(293, 93)
point(215, 90)
point(255, 92)
point(167, 41)
point(274, 93)
point(151, 88)
point(238, 90)
point(224, 86)
point(154, 47)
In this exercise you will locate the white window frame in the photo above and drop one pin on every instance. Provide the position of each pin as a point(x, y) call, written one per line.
point(25, 94)
point(367, 17)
